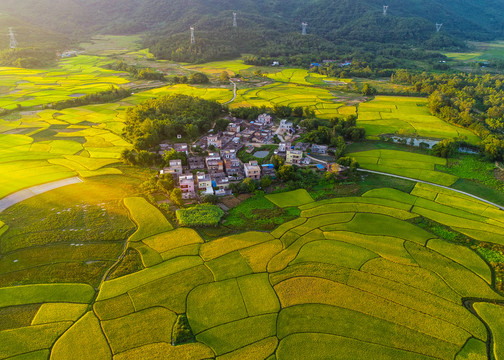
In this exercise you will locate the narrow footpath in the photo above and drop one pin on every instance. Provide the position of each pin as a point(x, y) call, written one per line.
point(234, 93)
point(24, 194)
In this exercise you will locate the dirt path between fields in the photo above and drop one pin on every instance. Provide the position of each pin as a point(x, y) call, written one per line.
point(234, 93)
point(22, 195)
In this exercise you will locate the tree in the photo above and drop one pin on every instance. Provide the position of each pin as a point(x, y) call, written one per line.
point(266, 182)
point(128, 157)
point(221, 124)
point(340, 145)
point(174, 155)
point(445, 148)
point(191, 130)
point(211, 199)
point(282, 111)
point(310, 114)
point(368, 90)
point(286, 173)
point(248, 185)
point(358, 134)
point(198, 78)
point(180, 79)
point(298, 111)
point(224, 77)
point(165, 183)
point(494, 147)
point(176, 197)
point(277, 162)
point(146, 158)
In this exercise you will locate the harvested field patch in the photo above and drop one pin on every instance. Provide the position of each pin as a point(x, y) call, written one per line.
point(291, 198)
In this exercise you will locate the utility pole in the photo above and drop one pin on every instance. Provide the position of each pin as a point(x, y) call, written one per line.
point(193, 40)
point(304, 26)
point(235, 24)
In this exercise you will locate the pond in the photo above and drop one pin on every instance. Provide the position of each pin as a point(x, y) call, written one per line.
point(430, 143)
point(261, 154)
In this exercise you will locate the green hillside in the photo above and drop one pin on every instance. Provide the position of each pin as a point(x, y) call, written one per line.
point(270, 26)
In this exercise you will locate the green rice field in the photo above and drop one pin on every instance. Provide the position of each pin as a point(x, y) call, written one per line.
point(412, 165)
point(73, 77)
point(480, 51)
point(350, 278)
point(406, 116)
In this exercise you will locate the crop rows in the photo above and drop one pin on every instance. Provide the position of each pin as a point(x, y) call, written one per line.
point(332, 277)
point(412, 165)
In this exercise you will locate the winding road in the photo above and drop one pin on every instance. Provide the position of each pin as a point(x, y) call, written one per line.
point(420, 181)
point(429, 183)
point(234, 93)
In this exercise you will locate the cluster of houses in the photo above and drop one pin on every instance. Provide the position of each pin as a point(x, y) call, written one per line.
point(240, 132)
point(214, 173)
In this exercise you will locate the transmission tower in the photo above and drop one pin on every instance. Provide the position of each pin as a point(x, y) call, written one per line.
point(304, 25)
point(13, 42)
point(385, 9)
point(193, 40)
point(235, 24)
point(438, 27)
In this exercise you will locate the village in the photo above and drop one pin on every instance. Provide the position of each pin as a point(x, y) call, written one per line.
point(214, 173)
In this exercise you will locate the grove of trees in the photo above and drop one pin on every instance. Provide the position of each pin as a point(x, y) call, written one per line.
point(472, 101)
point(155, 120)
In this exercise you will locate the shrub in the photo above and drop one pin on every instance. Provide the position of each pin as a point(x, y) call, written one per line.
point(200, 215)
point(182, 333)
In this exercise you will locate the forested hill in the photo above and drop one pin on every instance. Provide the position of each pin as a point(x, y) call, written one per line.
point(475, 19)
point(269, 24)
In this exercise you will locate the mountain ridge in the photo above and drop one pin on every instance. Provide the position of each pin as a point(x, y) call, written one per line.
point(269, 27)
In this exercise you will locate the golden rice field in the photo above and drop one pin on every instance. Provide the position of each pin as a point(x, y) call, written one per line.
point(351, 278)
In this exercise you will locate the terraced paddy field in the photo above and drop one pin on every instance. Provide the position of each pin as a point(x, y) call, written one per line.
point(232, 67)
point(49, 145)
point(321, 100)
point(104, 45)
point(303, 77)
point(407, 116)
point(52, 145)
point(73, 77)
point(350, 278)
